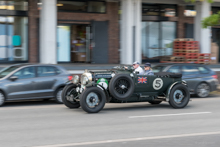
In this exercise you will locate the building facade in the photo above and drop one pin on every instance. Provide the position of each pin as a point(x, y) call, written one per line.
point(100, 31)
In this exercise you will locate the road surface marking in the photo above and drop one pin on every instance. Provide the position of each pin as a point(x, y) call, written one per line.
point(131, 139)
point(195, 113)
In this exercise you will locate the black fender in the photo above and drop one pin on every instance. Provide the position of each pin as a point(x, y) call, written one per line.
point(171, 86)
point(106, 92)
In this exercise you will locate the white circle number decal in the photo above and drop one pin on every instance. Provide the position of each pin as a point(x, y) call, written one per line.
point(158, 83)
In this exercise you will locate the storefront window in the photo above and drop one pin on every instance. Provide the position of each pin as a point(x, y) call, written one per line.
point(96, 7)
point(168, 10)
point(75, 6)
point(18, 5)
point(190, 11)
point(13, 38)
point(157, 39)
point(150, 10)
point(159, 10)
point(86, 6)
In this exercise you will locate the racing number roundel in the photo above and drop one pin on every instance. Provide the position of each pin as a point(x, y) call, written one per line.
point(103, 82)
point(158, 83)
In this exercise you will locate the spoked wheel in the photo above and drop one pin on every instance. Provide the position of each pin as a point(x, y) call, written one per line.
point(2, 98)
point(203, 90)
point(92, 99)
point(179, 96)
point(121, 86)
point(69, 96)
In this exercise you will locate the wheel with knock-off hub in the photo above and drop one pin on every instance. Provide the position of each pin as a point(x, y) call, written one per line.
point(93, 99)
point(69, 96)
point(179, 96)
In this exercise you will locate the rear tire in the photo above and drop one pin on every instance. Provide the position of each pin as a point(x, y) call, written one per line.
point(179, 96)
point(202, 90)
point(69, 90)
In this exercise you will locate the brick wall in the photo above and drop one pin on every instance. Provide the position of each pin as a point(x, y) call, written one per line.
point(181, 22)
point(33, 44)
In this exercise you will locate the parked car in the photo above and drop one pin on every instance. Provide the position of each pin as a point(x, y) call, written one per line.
point(201, 80)
point(32, 81)
point(121, 85)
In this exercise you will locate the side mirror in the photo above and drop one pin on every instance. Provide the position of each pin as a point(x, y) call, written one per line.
point(137, 72)
point(13, 78)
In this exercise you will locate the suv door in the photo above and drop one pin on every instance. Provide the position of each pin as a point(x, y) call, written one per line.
point(46, 80)
point(23, 87)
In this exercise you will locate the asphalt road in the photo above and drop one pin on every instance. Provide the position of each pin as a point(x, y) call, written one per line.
point(47, 124)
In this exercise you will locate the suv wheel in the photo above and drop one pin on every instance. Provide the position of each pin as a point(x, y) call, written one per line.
point(2, 98)
point(92, 100)
point(58, 97)
point(179, 96)
point(70, 91)
point(202, 90)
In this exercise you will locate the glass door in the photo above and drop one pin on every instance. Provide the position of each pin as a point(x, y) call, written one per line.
point(157, 40)
point(63, 43)
point(150, 40)
point(168, 35)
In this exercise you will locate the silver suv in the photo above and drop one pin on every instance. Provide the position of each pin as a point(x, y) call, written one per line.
point(32, 81)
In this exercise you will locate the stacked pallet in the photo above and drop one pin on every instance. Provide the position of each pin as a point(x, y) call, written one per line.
point(187, 49)
point(204, 58)
point(172, 59)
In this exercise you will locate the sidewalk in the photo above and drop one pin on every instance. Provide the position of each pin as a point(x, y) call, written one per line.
point(77, 68)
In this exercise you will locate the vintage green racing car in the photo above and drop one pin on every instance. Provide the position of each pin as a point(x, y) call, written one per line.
point(122, 85)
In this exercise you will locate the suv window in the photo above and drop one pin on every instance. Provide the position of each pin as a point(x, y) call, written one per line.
point(203, 70)
point(189, 70)
point(156, 69)
point(25, 73)
point(44, 71)
point(174, 69)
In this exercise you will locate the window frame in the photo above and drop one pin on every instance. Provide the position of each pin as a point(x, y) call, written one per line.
point(180, 68)
point(87, 3)
point(35, 74)
point(189, 74)
point(205, 68)
point(56, 73)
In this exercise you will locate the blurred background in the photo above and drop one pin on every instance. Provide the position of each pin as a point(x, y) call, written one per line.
point(104, 31)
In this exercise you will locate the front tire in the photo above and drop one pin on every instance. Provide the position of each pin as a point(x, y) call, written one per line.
point(179, 96)
point(2, 98)
point(92, 100)
point(70, 90)
point(58, 97)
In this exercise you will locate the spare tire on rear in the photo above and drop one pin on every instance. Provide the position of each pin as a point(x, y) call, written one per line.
point(121, 86)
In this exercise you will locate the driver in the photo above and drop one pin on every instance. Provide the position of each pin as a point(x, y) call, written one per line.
point(137, 68)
